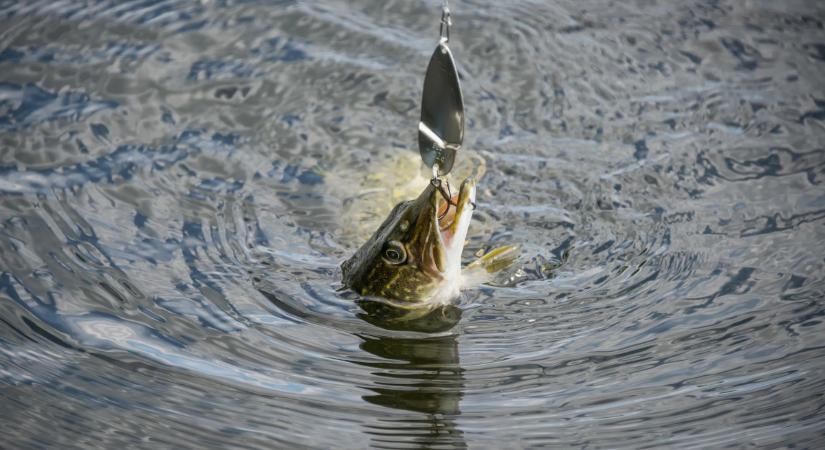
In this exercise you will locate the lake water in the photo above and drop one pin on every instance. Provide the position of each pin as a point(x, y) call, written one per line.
point(173, 215)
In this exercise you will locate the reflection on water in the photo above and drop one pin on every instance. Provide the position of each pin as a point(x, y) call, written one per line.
point(180, 181)
point(418, 374)
point(393, 317)
point(421, 375)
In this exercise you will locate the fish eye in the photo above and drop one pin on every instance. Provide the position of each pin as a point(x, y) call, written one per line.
point(394, 253)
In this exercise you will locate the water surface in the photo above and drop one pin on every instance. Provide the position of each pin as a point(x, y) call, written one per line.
point(172, 212)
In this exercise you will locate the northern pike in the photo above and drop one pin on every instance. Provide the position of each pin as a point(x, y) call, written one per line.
point(414, 258)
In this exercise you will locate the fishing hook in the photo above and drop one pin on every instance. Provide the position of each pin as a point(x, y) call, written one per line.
point(445, 193)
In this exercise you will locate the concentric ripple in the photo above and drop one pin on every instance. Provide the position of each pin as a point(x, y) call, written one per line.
point(175, 176)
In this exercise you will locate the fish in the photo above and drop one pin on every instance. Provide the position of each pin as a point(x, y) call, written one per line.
point(414, 257)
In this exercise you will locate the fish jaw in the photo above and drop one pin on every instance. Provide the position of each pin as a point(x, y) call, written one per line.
point(453, 227)
point(429, 232)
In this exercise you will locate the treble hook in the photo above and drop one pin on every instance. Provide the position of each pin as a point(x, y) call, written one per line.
point(445, 193)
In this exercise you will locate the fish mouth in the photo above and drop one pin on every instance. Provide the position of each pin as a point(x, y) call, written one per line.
point(452, 214)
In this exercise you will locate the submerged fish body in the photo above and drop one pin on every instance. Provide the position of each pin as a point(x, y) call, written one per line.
point(414, 257)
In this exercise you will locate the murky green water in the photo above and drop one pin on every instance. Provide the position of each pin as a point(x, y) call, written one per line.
point(171, 207)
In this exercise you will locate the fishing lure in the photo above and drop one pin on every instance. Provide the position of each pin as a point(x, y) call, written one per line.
point(441, 129)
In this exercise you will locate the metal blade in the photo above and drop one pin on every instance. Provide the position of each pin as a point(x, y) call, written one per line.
point(441, 130)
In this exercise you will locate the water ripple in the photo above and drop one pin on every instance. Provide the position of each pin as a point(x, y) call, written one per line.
point(179, 182)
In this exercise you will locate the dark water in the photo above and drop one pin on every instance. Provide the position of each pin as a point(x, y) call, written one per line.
point(171, 225)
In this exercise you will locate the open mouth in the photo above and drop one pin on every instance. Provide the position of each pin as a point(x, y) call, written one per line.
point(442, 230)
point(453, 213)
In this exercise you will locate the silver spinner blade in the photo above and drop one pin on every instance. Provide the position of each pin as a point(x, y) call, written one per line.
point(441, 130)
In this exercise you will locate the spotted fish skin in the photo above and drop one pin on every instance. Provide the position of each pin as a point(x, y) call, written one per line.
point(415, 255)
point(404, 259)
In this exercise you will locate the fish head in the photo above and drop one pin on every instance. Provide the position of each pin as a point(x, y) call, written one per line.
point(415, 255)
